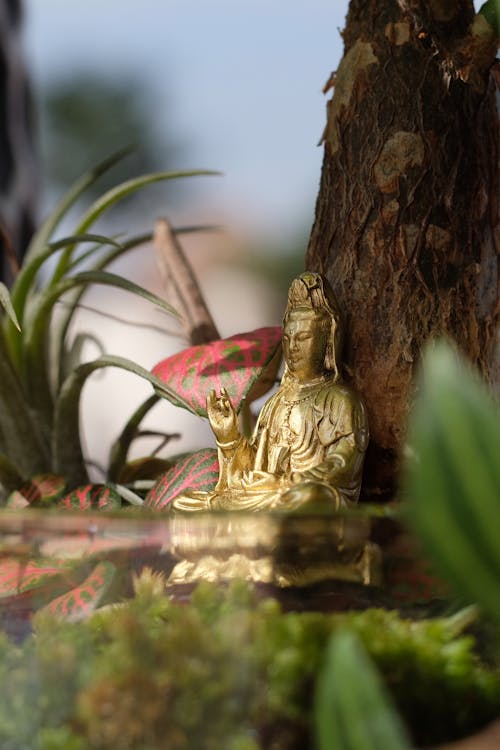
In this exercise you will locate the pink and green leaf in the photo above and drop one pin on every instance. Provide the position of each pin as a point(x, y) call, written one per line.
point(84, 599)
point(195, 471)
point(17, 501)
point(91, 497)
point(41, 490)
point(18, 576)
point(235, 364)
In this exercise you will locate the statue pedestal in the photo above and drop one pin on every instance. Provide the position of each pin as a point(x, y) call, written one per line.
point(274, 548)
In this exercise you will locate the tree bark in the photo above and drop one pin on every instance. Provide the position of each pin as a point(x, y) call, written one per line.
point(406, 225)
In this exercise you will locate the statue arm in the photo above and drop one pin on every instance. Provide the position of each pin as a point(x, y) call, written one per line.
point(343, 432)
point(338, 464)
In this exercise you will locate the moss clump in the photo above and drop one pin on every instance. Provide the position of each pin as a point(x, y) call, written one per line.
point(224, 671)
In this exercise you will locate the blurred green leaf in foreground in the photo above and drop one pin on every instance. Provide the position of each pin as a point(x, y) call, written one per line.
point(453, 476)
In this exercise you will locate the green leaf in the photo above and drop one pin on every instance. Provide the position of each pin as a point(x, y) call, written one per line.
point(104, 260)
point(41, 238)
point(61, 327)
point(114, 196)
point(6, 303)
point(91, 497)
point(120, 448)
point(454, 479)
point(10, 478)
point(36, 365)
point(136, 241)
point(21, 432)
point(66, 446)
point(352, 709)
point(26, 277)
point(491, 12)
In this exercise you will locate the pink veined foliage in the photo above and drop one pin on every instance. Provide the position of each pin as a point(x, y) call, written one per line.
point(234, 363)
point(91, 497)
point(194, 471)
point(84, 599)
point(18, 576)
point(41, 490)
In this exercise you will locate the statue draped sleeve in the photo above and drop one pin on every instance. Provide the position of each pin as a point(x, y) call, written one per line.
point(342, 430)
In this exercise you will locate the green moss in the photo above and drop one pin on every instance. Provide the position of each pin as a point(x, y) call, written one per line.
point(225, 671)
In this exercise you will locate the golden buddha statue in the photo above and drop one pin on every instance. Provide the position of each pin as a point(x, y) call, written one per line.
point(311, 435)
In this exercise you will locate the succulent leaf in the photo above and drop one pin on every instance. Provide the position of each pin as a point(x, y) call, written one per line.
point(453, 478)
point(6, 303)
point(352, 709)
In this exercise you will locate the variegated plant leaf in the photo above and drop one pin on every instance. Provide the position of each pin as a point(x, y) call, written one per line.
point(91, 497)
point(194, 471)
point(41, 490)
point(234, 363)
point(19, 575)
point(84, 599)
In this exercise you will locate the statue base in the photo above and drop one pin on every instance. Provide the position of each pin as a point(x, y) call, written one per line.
point(280, 549)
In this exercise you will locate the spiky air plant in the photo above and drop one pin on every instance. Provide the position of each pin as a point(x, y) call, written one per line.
point(40, 385)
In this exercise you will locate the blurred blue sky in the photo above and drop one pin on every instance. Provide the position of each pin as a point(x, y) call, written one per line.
point(240, 79)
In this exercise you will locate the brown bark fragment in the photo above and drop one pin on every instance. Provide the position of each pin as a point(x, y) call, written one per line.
point(401, 151)
point(350, 84)
point(398, 33)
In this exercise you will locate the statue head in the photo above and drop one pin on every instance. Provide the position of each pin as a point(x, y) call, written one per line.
point(312, 304)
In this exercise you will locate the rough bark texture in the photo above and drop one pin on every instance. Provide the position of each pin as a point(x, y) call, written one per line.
point(407, 212)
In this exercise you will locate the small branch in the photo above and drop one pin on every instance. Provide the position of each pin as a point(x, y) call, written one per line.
point(176, 268)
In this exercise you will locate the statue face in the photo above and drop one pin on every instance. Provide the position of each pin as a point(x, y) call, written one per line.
point(305, 342)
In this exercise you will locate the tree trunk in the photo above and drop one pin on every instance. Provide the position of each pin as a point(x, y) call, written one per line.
point(406, 217)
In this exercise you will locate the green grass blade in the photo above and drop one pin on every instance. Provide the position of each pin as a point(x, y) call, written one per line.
point(66, 447)
point(120, 448)
point(64, 321)
point(105, 259)
point(27, 275)
point(85, 278)
point(352, 708)
point(6, 303)
point(114, 196)
point(42, 236)
point(23, 436)
point(10, 477)
point(454, 483)
point(133, 242)
point(36, 369)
